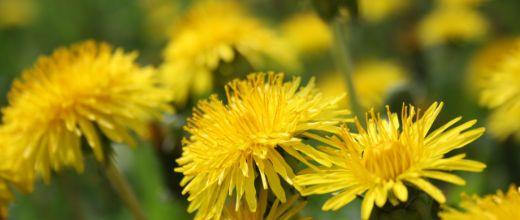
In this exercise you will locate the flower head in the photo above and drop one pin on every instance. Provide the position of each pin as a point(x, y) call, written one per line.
point(460, 3)
point(215, 32)
point(501, 92)
point(17, 12)
point(371, 93)
point(486, 60)
point(79, 92)
point(446, 24)
point(231, 144)
point(307, 33)
point(287, 210)
point(491, 207)
point(376, 11)
point(380, 160)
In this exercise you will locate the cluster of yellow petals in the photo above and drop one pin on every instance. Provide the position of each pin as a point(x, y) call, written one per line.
point(445, 24)
point(501, 93)
point(287, 210)
point(215, 32)
point(378, 161)
point(460, 3)
point(503, 206)
point(15, 13)
point(376, 11)
point(231, 144)
point(307, 33)
point(77, 93)
point(371, 93)
point(484, 63)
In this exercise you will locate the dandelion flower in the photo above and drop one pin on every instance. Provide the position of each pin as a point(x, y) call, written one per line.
point(288, 210)
point(491, 207)
point(17, 12)
point(231, 144)
point(83, 91)
point(380, 160)
point(501, 93)
point(376, 11)
point(451, 23)
point(371, 93)
point(486, 60)
point(307, 33)
point(215, 32)
point(460, 3)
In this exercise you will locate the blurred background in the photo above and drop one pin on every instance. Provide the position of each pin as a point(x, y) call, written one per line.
point(415, 51)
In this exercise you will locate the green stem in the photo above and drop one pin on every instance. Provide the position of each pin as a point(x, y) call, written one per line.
point(344, 61)
point(124, 190)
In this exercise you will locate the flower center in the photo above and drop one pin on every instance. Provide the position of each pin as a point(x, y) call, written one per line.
point(387, 160)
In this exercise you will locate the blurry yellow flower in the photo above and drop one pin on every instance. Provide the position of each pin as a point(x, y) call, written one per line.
point(211, 33)
point(373, 79)
point(378, 10)
point(485, 62)
point(288, 210)
point(460, 3)
point(451, 23)
point(80, 91)
point(378, 161)
point(231, 144)
point(160, 15)
point(307, 33)
point(16, 12)
point(503, 206)
point(501, 92)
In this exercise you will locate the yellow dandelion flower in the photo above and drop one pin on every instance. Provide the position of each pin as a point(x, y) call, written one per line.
point(485, 62)
point(213, 32)
point(307, 32)
point(380, 160)
point(17, 12)
point(231, 144)
point(460, 3)
point(451, 23)
point(85, 90)
point(371, 93)
point(376, 11)
point(501, 92)
point(287, 210)
point(501, 205)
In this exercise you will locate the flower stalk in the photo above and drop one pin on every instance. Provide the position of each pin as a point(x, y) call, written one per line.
point(122, 187)
point(344, 61)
